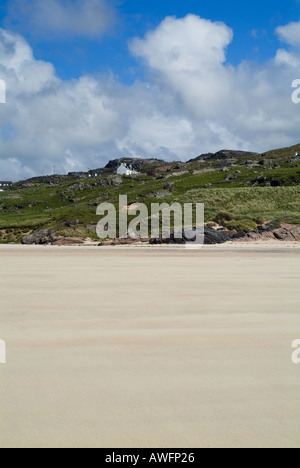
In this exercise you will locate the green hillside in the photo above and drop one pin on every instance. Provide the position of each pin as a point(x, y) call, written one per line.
point(248, 186)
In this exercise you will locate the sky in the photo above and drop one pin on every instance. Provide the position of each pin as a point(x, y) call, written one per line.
point(92, 80)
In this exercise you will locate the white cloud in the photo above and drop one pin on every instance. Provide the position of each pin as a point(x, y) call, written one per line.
point(193, 101)
point(52, 18)
point(283, 57)
point(158, 134)
point(45, 117)
point(189, 54)
point(290, 33)
point(184, 45)
point(248, 106)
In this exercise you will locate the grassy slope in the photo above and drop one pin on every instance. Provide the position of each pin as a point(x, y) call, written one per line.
point(28, 209)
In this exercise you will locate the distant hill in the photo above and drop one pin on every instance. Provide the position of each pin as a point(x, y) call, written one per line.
point(224, 154)
point(138, 164)
point(248, 185)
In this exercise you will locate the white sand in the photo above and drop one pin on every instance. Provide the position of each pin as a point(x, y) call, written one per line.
point(149, 348)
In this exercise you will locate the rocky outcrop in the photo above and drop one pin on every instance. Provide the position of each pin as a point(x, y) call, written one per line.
point(211, 236)
point(111, 182)
point(221, 155)
point(287, 233)
point(36, 181)
point(46, 236)
point(136, 164)
point(267, 232)
point(271, 231)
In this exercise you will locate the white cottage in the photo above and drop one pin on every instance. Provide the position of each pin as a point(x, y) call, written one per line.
point(123, 169)
point(5, 184)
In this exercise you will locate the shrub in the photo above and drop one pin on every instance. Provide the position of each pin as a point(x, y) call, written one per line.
point(223, 218)
point(260, 221)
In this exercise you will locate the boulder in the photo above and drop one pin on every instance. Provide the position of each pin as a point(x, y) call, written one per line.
point(111, 182)
point(71, 223)
point(274, 230)
point(169, 187)
point(46, 236)
point(211, 236)
point(287, 232)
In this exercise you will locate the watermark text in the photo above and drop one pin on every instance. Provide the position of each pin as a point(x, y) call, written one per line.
point(296, 353)
point(296, 93)
point(2, 92)
point(164, 221)
point(2, 352)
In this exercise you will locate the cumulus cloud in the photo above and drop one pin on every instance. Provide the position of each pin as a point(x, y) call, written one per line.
point(46, 120)
point(290, 33)
point(192, 101)
point(283, 57)
point(52, 18)
point(189, 54)
point(184, 45)
point(248, 106)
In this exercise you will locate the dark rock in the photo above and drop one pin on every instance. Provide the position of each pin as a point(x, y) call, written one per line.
point(71, 223)
point(116, 181)
point(259, 180)
point(137, 164)
point(216, 237)
point(46, 236)
point(74, 200)
point(169, 186)
point(239, 235)
point(111, 182)
point(211, 236)
point(275, 183)
point(231, 177)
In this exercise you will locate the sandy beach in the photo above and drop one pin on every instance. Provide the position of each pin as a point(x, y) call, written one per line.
point(134, 347)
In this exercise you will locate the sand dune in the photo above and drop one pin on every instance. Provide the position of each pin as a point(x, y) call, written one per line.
point(149, 347)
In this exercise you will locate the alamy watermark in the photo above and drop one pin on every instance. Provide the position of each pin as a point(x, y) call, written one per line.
point(2, 92)
point(296, 353)
point(296, 93)
point(164, 221)
point(2, 352)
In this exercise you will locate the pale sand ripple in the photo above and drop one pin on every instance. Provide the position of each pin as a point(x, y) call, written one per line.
point(149, 347)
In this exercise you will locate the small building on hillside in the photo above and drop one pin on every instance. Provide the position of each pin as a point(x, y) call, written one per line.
point(4, 185)
point(126, 170)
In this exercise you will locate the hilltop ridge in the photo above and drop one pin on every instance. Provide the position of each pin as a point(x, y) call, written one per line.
point(149, 165)
point(248, 186)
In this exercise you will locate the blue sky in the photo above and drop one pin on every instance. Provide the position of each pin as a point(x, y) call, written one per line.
point(253, 22)
point(88, 81)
